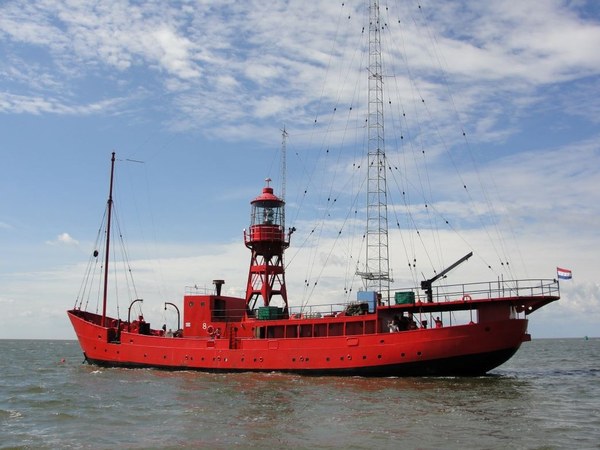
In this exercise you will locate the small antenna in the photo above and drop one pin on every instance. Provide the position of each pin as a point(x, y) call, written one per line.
point(284, 136)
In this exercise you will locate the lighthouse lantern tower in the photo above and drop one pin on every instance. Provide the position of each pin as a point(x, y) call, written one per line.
point(267, 240)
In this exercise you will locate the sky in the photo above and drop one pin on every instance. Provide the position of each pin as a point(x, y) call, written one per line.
point(193, 96)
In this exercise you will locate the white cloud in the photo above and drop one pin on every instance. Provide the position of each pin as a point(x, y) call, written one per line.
point(37, 105)
point(238, 54)
point(64, 239)
point(174, 53)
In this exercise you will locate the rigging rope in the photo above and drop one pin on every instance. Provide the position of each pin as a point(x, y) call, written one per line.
point(412, 164)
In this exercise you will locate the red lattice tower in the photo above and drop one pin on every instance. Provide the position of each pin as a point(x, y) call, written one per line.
point(267, 240)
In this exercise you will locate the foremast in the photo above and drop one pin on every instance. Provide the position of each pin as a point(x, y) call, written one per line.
point(376, 276)
point(108, 222)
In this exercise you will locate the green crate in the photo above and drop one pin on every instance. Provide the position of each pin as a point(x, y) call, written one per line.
point(403, 298)
point(269, 312)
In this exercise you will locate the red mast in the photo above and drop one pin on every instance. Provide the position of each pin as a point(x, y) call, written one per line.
point(267, 240)
point(108, 220)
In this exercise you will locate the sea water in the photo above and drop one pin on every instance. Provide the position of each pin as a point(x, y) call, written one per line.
point(546, 397)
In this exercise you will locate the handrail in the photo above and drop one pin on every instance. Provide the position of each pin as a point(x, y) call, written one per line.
point(499, 289)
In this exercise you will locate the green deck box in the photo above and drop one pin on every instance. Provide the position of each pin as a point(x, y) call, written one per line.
point(402, 298)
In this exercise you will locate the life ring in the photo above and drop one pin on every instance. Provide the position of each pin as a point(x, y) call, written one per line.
point(210, 330)
point(467, 298)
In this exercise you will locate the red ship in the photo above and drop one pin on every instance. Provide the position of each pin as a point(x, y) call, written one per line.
point(370, 337)
point(385, 332)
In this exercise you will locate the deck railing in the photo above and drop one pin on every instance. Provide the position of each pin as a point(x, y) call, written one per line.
point(474, 291)
point(443, 293)
point(199, 290)
point(493, 289)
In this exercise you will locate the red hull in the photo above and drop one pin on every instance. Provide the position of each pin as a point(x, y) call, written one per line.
point(469, 349)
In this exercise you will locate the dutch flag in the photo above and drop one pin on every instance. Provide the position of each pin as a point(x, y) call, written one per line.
point(563, 274)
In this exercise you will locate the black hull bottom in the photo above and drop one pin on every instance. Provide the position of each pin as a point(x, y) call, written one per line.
point(465, 366)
